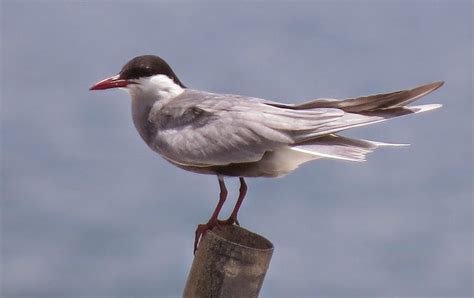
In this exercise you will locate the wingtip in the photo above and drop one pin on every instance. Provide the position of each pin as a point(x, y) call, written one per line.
point(430, 87)
point(437, 84)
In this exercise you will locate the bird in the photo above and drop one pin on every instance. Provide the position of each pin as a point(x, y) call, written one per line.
point(229, 135)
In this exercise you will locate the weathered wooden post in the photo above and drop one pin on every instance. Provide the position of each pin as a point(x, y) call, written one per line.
point(230, 262)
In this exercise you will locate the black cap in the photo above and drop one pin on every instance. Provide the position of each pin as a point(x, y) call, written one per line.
point(147, 66)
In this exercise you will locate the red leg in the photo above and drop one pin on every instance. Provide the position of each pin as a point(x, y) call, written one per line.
point(233, 216)
point(203, 228)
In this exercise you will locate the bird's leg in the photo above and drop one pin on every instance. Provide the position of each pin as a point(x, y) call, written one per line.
point(203, 228)
point(233, 216)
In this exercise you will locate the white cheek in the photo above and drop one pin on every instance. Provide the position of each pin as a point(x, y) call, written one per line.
point(161, 85)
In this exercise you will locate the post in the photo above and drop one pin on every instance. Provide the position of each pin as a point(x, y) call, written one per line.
point(230, 262)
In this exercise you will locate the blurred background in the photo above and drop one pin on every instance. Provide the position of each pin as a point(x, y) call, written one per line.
point(88, 210)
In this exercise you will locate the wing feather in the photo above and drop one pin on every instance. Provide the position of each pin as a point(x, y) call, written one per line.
point(371, 102)
point(204, 129)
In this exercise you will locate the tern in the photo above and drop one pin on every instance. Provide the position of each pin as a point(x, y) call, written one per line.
point(239, 136)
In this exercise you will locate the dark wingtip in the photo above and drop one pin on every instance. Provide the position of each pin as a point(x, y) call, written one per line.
point(437, 84)
point(430, 86)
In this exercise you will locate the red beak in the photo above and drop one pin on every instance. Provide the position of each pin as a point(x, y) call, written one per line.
point(112, 82)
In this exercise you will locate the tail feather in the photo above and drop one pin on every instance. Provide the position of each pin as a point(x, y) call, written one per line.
point(339, 147)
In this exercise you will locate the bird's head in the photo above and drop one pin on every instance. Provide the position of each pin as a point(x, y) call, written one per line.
point(143, 74)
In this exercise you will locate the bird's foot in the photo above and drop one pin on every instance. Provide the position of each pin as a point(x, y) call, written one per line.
point(202, 229)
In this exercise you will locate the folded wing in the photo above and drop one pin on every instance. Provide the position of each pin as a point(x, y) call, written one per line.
point(206, 129)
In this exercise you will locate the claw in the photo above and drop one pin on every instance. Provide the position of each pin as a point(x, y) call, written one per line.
point(201, 230)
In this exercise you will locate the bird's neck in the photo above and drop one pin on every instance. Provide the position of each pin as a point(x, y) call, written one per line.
point(155, 91)
point(140, 112)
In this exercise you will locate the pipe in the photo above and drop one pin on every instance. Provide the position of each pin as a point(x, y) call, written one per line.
point(230, 262)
